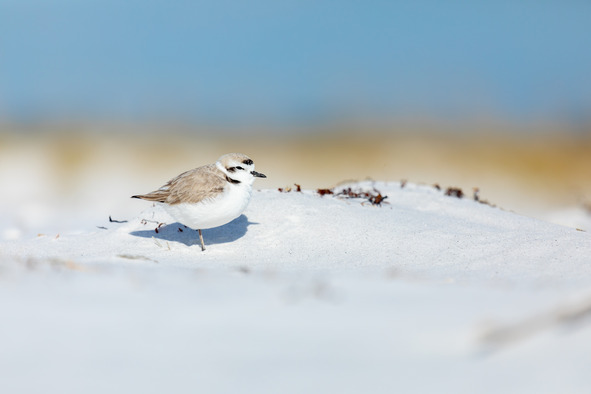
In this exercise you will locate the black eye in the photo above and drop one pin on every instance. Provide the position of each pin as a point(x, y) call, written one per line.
point(240, 168)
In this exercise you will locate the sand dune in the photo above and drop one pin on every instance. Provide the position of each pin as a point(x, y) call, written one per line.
point(303, 293)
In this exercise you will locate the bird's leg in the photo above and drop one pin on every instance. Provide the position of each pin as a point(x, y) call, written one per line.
point(201, 238)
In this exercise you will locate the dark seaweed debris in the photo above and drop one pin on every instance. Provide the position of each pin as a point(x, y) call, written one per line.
point(375, 197)
point(457, 192)
point(323, 192)
point(289, 189)
point(454, 192)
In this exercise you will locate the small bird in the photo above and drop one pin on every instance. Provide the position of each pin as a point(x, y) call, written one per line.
point(208, 196)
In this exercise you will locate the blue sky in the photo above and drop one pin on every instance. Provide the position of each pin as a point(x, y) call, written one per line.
point(272, 61)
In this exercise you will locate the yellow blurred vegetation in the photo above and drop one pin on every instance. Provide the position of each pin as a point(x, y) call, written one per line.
point(514, 169)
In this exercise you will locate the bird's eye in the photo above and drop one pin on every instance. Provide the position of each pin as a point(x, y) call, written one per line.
point(240, 168)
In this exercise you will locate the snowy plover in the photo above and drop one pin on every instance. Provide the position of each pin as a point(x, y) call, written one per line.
point(208, 196)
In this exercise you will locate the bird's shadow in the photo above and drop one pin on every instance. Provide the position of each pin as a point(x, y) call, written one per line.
point(178, 232)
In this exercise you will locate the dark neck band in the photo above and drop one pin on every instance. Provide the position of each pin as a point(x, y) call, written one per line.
point(233, 181)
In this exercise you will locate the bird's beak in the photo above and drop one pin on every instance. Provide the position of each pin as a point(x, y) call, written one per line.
point(258, 174)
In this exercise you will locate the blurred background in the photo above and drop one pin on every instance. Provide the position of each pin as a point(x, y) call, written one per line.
point(100, 100)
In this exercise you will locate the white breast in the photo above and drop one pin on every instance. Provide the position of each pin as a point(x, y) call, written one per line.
point(214, 212)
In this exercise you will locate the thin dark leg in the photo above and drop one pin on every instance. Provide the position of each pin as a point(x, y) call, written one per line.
point(201, 238)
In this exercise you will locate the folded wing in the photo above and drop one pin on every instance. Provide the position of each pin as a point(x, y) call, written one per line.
point(193, 186)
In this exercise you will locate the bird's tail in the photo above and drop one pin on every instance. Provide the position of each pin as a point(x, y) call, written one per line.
point(157, 196)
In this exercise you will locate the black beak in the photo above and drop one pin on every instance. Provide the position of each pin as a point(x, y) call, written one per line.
point(258, 174)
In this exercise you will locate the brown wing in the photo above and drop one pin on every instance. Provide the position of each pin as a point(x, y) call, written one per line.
point(191, 187)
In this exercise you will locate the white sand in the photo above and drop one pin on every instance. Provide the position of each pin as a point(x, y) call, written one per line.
point(426, 293)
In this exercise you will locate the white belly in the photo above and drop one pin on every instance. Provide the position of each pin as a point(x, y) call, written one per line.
point(214, 212)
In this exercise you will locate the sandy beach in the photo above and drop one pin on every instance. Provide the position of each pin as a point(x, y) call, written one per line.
point(297, 291)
